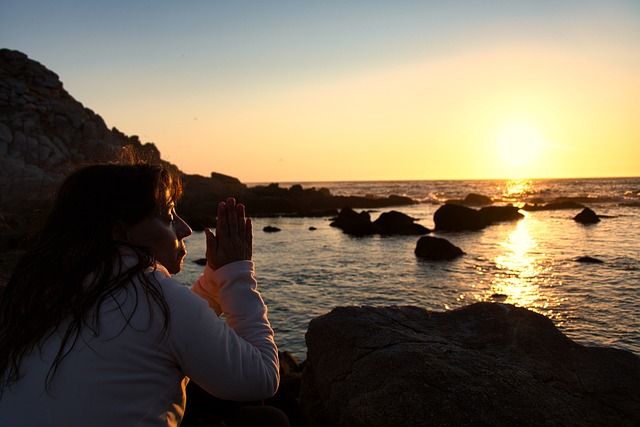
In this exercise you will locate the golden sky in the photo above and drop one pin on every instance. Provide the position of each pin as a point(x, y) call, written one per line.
point(287, 92)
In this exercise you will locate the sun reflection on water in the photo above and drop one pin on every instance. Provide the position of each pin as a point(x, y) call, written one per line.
point(521, 276)
point(514, 190)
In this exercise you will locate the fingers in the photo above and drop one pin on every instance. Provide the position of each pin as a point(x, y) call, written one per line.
point(233, 240)
point(211, 248)
point(232, 217)
point(249, 239)
point(240, 219)
point(222, 226)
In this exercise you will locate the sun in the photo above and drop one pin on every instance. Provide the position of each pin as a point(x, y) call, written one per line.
point(518, 145)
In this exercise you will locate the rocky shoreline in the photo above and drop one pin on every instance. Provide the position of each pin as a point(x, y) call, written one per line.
point(485, 364)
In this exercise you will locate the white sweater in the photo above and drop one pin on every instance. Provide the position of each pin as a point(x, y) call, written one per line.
point(131, 376)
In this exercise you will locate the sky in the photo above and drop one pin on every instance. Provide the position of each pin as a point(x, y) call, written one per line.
point(300, 91)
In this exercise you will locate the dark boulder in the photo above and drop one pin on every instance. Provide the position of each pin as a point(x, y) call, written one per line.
point(271, 229)
point(393, 222)
point(484, 364)
point(587, 216)
point(354, 223)
point(472, 199)
point(589, 260)
point(493, 214)
point(552, 206)
point(450, 217)
point(437, 249)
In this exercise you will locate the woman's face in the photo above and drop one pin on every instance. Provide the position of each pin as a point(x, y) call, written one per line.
point(162, 233)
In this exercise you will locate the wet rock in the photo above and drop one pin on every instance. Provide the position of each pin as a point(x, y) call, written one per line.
point(393, 223)
point(484, 364)
point(472, 199)
point(587, 216)
point(553, 206)
point(450, 217)
point(437, 249)
point(354, 223)
point(271, 229)
point(589, 260)
point(494, 214)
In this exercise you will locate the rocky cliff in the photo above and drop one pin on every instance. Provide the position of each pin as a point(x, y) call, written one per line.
point(45, 133)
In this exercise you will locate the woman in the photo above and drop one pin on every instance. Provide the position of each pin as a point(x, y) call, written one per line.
point(93, 329)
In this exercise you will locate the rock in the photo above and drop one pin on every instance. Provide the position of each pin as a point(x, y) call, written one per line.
point(355, 224)
point(39, 124)
point(589, 260)
point(493, 214)
point(553, 206)
point(393, 222)
point(437, 249)
point(201, 261)
point(484, 364)
point(450, 217)
point(587, 216)
point(472, 199)
point(271, 229)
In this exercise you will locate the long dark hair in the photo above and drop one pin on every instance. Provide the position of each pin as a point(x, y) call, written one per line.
point(69, 272)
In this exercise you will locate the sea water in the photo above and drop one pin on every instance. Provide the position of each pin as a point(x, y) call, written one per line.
point(309, 267)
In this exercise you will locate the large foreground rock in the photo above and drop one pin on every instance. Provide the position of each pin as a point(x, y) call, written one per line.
point(484, 364)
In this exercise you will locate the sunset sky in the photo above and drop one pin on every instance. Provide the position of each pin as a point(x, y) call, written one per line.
point(286, 91)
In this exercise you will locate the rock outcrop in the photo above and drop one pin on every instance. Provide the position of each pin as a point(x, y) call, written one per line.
point(472, 199)
point(388, 224)
point(455, 217)
point(437, 249)
point(484, 364)
point(587, 216)
point(45, 133)
point(450, 217)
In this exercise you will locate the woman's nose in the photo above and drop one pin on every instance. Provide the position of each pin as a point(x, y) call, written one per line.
point(182, 228)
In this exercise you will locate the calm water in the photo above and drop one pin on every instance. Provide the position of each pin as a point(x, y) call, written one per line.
point(530, 263)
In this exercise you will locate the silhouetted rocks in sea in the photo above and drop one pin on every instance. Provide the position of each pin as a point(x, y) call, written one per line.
point(271, 229)
point(388, 223)
point(587, 216)
point(483, 364)
point(437, 249)
point(450, 217)
point(552, 206)
point(589, 260)
point(472, 199)
point(45, 134)
point(453, 217)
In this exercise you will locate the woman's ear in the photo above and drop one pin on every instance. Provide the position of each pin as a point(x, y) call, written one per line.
point(119, 232)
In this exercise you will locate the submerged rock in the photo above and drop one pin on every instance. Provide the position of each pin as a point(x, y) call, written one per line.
point(553, 206)
point(589, 260)
point(587, 216)
point(484, 364)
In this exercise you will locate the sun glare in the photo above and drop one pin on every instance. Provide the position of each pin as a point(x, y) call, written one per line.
point(518, 145)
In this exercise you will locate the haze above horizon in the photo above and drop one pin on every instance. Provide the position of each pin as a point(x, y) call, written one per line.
point(353, 91)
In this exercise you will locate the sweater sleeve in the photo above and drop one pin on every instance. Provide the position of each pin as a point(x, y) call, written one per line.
point(207, 288)
point(233, 360)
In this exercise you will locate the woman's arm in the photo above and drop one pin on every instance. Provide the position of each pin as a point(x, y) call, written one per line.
point(233, 360)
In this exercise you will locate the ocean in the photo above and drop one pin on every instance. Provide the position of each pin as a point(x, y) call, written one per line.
point(309, 267)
